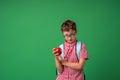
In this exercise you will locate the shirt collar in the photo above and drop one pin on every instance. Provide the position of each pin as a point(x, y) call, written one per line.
point(70, 44)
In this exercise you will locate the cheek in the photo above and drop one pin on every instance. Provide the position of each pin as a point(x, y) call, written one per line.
point(71, 39)
point(74, 39)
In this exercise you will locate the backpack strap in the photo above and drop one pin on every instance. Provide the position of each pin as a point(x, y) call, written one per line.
point(78, 49)
point(62, 47)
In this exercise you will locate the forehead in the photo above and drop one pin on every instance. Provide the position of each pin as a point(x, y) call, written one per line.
point(69, 32)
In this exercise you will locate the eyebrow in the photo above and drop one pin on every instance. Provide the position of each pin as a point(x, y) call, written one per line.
point(70, 34)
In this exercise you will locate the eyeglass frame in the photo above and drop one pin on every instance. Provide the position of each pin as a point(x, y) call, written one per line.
point(71, 35)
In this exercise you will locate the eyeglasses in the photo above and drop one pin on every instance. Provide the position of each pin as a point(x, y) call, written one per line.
point(71, 35)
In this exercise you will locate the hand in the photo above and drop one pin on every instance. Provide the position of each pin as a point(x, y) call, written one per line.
point(56, 52)
point(63, 62)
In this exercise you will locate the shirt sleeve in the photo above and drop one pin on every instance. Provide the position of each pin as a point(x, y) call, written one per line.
point(83, 52)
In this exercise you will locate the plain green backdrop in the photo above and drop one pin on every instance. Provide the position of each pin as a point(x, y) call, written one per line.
point(29, 29)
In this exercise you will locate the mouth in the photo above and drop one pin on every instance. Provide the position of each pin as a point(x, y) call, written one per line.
point(70, 41)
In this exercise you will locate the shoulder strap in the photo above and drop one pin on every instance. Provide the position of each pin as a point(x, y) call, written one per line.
point(78, 49)
point(62, 47)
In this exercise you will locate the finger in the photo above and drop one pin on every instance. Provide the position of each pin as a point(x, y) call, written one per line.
point(54, 51)
point(57, 54)
point(53, 48)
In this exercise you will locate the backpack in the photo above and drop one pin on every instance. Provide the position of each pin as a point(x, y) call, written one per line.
point(78, 49)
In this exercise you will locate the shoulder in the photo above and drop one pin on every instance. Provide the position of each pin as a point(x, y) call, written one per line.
point(83, 45)
point(84, 52)
point(61, 45)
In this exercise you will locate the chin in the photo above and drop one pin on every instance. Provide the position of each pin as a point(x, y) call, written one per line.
point(70, 42)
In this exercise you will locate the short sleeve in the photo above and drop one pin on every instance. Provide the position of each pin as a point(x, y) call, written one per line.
point(83, 52)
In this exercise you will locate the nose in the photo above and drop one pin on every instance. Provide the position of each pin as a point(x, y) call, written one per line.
point(69, 38)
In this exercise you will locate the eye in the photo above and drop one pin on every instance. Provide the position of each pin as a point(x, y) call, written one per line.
point(73, 34)
point(66, 35)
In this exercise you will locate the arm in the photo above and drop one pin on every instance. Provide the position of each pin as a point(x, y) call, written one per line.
point(59, 66)
point(75, 65)
point(58, 60)
point(78, 65)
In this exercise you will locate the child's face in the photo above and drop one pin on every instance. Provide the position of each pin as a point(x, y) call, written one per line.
point(70, 36)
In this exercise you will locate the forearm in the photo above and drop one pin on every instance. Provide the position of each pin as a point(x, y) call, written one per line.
point(59, 66)
point(73, 65)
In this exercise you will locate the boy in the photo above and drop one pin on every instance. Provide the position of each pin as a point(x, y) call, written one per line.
point(70, 67)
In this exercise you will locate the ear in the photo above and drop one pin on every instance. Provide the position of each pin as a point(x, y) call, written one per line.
point(63, 32)
point(76, 31)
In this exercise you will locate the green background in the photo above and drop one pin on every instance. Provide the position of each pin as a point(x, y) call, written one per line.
point(29, 29)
